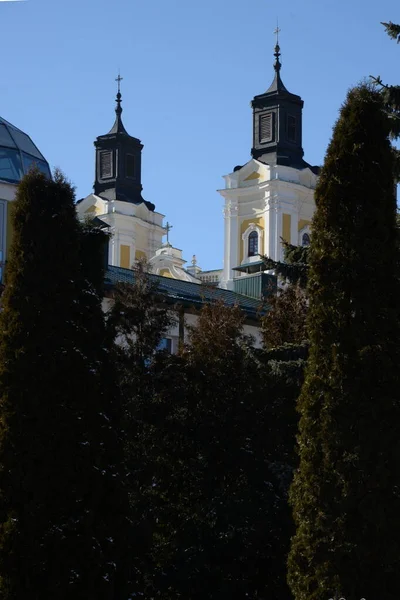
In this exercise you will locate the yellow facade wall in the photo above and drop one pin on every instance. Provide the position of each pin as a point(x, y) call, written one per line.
point(259, 221)
point(165, 273)
point(125, 257)
point(140, 254)
point(286, 227)
point(303, 223)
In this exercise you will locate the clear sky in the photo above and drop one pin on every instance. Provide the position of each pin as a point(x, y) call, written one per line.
point(190, 70)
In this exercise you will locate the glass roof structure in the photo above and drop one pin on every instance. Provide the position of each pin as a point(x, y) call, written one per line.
point(18, 154)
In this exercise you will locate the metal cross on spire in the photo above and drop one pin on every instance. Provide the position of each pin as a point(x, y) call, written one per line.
point(277, 32)
point(119, 79)
point(168, 228)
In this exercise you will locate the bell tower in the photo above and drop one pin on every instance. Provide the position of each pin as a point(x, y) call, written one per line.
point(277, 122)
point(271, 197)
point(119, 162)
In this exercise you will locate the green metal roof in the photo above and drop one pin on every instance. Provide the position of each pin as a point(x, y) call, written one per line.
point(251, 267)
point(189, 294)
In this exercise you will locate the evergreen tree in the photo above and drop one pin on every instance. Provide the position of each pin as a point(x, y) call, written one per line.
point(391, 95)
point(346, 494)
point(223, 464)
point(294, 269)
point(63, 511)
point(138, 321)
point(285, 321)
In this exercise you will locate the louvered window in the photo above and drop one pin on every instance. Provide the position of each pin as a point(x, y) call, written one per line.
point(106, 170)
point(130, 165)
point(266, 127)
point(291, 128)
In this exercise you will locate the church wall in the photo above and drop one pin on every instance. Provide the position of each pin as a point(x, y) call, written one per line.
point(125, 257)
point(287, 227)
point(165, 273)
point(303, 223)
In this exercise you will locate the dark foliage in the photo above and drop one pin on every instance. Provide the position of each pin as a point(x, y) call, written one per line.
point(346, 494)
point(211, 452)
point(285, 322)
point(392, 30)
point(63, 512)
point(391, 96)
point(294, 269)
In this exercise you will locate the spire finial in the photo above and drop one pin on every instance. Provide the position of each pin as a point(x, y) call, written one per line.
point(118, 108)
point(277, 53)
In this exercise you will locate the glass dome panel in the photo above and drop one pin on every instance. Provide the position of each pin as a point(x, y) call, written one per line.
point(25, 144)
point(10, 165)
point(5, 137)
point(31, 161)
point(18, 154)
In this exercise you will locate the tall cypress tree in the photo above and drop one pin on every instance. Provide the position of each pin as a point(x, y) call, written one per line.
point(346, 492)
point(63, 531)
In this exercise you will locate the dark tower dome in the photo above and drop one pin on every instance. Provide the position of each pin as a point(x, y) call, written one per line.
point(119, 163)
point(277, 123)
point(18, 154)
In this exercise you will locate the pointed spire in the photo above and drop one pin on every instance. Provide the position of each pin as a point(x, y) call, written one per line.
point(277, 53)
point(118, 126)
point(277, 84)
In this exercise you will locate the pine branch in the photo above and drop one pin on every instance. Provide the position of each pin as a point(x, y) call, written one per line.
point(392, 30)
point(295, 268)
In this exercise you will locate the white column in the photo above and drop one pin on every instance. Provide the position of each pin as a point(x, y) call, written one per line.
point(113, 254)
point(294, 228)
point(234, 236)
point(278, 233)
point(227, 245)
point(231, 251)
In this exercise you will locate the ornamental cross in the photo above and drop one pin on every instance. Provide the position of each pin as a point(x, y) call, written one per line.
point(277, 32)
point(119, 79)
point(168, 228)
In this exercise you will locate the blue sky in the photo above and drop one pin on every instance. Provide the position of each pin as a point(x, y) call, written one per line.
point(190, 70)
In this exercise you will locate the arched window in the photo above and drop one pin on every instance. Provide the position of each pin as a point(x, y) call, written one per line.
point(305, 240)
point(253, 243)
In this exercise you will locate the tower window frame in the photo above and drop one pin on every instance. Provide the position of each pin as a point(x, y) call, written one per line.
point(266, 127)
point(252, 246)
point(252, 243)
point(130, 166)
point(106, 164)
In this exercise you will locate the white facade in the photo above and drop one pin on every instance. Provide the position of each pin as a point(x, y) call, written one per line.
point(168, 262)
point(270, 203)
point(136, 232)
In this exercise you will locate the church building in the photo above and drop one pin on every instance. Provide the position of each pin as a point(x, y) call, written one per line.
point(135, 226)
point(266, 200)
point(271, 197)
